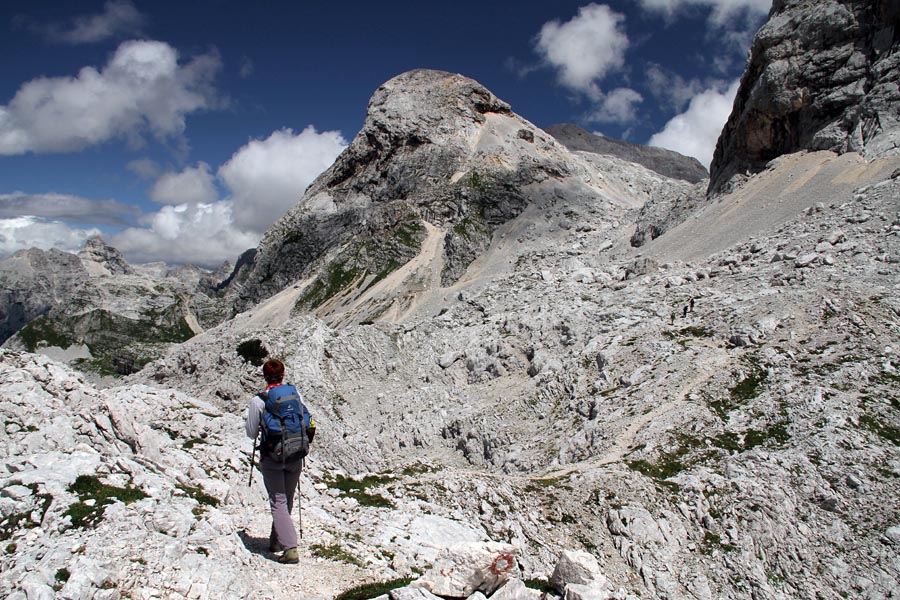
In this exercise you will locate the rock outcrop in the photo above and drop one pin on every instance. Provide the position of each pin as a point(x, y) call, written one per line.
point(662, 161)
point(822, 75)
point(439, 161)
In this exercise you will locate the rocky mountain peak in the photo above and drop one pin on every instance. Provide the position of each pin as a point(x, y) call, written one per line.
point(101, 258)
point(439, 155)
point(822, 75)
point(423, 102)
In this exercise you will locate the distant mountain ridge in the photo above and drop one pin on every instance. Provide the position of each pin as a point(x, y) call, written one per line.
point(95, 310)
point(663, 161)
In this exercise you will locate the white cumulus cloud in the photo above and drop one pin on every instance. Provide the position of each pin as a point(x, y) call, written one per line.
point(193, 185)
point(586, 48)
point(618, 106)
point(20, 233)
point(264, 178)
point(119, 17)
point(200, 234)
point(142, 89)
point(696, 131)
point(267, 177)
point(722, 11)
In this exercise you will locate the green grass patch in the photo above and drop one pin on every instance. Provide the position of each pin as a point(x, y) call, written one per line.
point(409, 233)
point(542, 585)
point(197, 493)
point(746, 389)
point(749, 387)
point(690, 450)
point(356, 489)
point(777, 433)
point(12, 523)
point(712, 541)
point(373, 590)
point(9, 525)
point(541, 484)
point(41, 331)
point(390, 268)
point(336, 277)
point(334, 552)
point(94, 496)
point(418, 468)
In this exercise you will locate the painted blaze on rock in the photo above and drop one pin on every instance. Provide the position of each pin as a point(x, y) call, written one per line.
point(463, 569)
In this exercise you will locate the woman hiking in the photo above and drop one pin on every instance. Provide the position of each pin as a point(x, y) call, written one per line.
point(270, 414)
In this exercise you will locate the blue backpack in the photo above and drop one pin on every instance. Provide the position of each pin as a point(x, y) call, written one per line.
point(284, 424)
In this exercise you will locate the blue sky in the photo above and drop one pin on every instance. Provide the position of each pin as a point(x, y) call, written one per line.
point(181, 130)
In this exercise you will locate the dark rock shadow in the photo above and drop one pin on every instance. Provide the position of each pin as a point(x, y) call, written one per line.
point(256, 545)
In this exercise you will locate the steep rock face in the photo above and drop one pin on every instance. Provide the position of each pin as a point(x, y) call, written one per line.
point(437, 150)
point(665, 162)
point(95, 310)
point(822, 75)
point(31, 281)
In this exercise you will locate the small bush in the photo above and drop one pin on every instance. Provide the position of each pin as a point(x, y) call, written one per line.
point(253, 352)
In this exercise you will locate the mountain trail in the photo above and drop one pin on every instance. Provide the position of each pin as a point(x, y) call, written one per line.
point(314, 578)
point(624, 442)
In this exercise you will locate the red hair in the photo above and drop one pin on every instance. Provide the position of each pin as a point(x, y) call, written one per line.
point(273, 371)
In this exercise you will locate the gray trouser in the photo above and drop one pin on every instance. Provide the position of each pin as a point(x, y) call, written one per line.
point(281, 483)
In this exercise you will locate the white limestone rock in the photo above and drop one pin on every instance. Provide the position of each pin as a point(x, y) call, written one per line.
point(577, 567)
point(462, 569)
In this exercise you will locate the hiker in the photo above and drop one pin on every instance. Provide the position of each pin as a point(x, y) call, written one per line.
point(692, 304)
point(684, 315)
point(281, 474)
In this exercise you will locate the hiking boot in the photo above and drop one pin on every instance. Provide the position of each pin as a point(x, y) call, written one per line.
point(290, 557)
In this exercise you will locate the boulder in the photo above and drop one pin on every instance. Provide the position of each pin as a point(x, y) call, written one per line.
point(514, 589)
point(576, 567)
point(465, 568)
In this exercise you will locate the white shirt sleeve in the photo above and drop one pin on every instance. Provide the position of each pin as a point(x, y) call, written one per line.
point(254, 415)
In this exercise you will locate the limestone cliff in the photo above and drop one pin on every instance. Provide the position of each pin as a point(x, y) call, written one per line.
point(97, 311)
point(822, 75)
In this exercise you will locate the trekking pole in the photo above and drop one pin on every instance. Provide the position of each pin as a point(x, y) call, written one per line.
point(300, 496)
point(300, 508)
point(252, 458)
